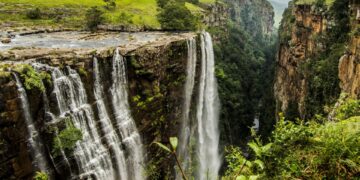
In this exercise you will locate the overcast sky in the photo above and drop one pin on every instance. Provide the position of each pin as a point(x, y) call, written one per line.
point(279, 6)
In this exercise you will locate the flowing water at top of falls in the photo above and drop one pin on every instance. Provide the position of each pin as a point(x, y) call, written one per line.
point(91, 155)
point(34, 139)
point(125, 123)
point(184, 145)
point(207, 114)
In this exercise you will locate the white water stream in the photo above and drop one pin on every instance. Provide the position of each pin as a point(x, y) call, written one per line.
point(207, 114)
point(34, 139)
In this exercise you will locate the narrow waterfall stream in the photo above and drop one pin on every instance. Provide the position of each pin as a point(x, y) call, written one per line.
point(184, 150)
point(111, 138)
point(125, 123)
point(206, 132)
point(207, 114)
point(34, 139)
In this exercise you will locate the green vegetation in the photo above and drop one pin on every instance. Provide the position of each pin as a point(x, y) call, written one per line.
point(94, 17)
point(4, 70)
point(41, 176)
point(66, 139)
point(327, 2)
point(172, 151)
point(34, 14)
point(74, 14)
point(348, 108)
point(110, 4)
point(244, 68)
point(82, 71)
point(174, 15)
point(314, 150)
point(68, 13)
point(32, 79)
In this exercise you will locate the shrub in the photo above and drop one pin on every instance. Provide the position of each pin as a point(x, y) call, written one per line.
point(94, 17)
point(125, 18)
point(32, 78)
point(349, 108)
point(66, 139)
point(41, 176)
point(110, 4)
point(302, 151)
point(34, 14)
point(175, 16)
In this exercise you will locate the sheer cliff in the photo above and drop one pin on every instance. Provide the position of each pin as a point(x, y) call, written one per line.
point(81, 86)
point(316, 57)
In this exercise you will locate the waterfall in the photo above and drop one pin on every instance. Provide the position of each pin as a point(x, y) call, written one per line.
point(125, 123)
point(207, 114)
point(184, 145)
point(110, 149)
point(205, 129)
point(34, 139)
point(112, 139)
point(91, 155)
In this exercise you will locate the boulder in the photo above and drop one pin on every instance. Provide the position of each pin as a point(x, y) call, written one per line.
point(6, 40)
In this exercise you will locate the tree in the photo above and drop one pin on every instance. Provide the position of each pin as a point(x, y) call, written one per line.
point(175, 16)
point(110, 4)
point(94, 17)
point(34, 14)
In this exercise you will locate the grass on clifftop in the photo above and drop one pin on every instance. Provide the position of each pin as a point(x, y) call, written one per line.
point(71, 13)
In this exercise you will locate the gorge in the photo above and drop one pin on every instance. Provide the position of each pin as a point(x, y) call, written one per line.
point(179, 89)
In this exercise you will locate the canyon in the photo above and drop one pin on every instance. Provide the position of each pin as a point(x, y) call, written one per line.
point(108, 103)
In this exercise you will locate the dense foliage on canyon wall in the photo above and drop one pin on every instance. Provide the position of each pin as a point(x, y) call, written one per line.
point(245, 68)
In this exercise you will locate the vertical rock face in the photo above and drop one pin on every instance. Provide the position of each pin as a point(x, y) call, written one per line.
point(256, 15)
point(349, 66)
point(301, 41)
point(300, 26)
point(14, 155)
point(217, 15)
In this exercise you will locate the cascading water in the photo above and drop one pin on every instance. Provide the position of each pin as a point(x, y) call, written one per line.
point(111, 146)
point(34, 139)
point(184, 148)
point(125, 123)
point(112, 139)
point(91, 155)
point(207, 114)
point(109, 149)
point(205, 132)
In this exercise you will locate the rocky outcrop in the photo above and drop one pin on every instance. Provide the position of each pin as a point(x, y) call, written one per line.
point(217, 14)
point(302, 34)
point(349, 66)
point(256, 16)
point(156, 73)
point(300, 26)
